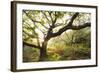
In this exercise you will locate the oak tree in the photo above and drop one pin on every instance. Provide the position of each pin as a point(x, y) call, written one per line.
point(40, 26)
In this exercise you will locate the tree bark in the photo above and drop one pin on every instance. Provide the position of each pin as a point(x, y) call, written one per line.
point(43, 51)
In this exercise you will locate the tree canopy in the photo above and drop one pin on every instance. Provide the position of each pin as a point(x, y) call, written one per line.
point(43, 25)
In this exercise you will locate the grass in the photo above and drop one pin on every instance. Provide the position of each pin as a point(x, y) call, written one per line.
point(58, 53)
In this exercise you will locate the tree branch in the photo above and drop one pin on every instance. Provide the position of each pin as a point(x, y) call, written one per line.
point(72, 19)
point(70, 27)
point(50, 16)
point(45, 16)
point(44, 26)
point(31, 18)
point(32, 36)
point(31, 45)
point(34, 22)
point(53, 23)
point(81, 26)
point(50, 30)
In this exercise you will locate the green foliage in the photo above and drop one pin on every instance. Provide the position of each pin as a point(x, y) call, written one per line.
point(30, 54)
point(70, 45)
point(53, 57)
point(76, 52)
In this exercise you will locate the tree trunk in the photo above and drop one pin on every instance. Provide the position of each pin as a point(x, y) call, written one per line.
point(43, 51)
